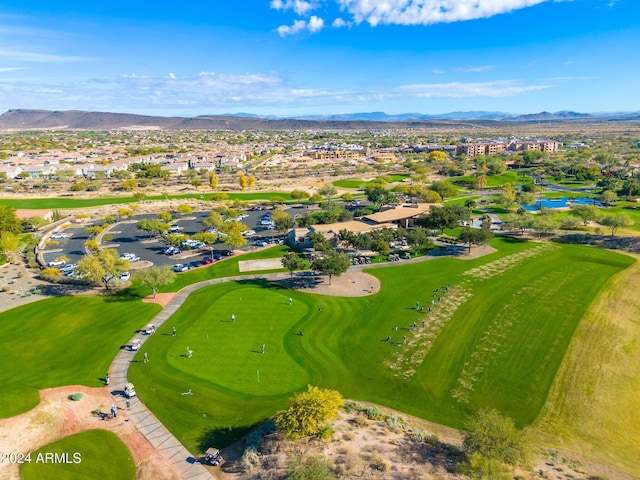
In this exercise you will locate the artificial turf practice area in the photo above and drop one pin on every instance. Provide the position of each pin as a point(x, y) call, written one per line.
point(497, 337)
point(91, 454)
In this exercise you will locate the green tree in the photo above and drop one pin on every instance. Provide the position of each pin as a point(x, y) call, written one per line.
point(308, 411)
point(614, 222)
point(379, 195)
point(9, 221)
point(381, 246)
point(129, 185)
point(165, 217)
point(9, 245)
point(526, 198)
point(443, 217)
point(214, 220)
point(152, 226)
point(213, 180)
point(292, 262)
point(332, 263)
point(102, 267)
point(207, 238)
point(155, 277)
point(299, 194)
point(282, 220)
point(495, 436)
point(328, 191)
point(507, 196)
point(475, 236)
point(185, 209)
point(544, 223)
point(478, 467)
point(608, 197)
point(445, 189)
point(586, 213)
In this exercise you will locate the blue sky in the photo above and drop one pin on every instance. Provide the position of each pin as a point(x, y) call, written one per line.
point(301, 57)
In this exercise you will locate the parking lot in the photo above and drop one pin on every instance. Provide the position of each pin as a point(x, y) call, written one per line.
point(128, 239)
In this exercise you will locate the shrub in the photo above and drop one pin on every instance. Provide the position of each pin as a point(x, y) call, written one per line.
point(360, 421)
point(96, 412)
point(418, 435)
point(75, 397)
point(308, 411)
point(6, 288)
point(310, 468)
point(379, 463)
point(326, 432)
point(250, 459)
point(373, 413)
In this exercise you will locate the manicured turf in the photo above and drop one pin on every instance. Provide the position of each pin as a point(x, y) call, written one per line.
point(224, 268)
point(504, 329)
point(355, 183)
point(62, 203)
point(95, 454)
point(62, 341)
point(495, 180)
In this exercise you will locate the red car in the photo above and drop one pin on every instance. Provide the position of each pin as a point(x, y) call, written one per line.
point(207, 261)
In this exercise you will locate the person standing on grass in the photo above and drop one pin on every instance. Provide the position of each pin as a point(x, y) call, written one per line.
point(145, 357)
point(263, 348)
point(233, 318)
point(290, 300)
point(173, 331)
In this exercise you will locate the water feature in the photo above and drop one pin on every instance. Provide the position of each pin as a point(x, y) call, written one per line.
point(562, 202)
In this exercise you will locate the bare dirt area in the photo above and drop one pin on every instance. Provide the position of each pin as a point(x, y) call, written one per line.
point(57, 416)
point(161, 299)
point(374, 443)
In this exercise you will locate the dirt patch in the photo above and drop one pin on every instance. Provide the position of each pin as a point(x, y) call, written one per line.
point(57, 416)
point(161, 299)
point(257, 265)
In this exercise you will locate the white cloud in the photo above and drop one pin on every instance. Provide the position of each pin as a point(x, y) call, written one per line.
point(301, 7)
point(172, 75)
point(498, 88)
point(22, 56)
point(481, 68)
point(298, 26)
point(11, 69)
point(314, 25)
point(438, 72)
point(339, 23)
point(221, 91)
point(409, 12)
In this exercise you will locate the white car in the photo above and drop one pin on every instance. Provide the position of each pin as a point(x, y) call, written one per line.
point(125, 276)
point(57, 263)
point(59, 235)
point(179, 267)
point(175, 229)
point(248, 233)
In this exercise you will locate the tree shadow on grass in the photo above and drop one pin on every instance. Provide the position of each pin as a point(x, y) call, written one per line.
point(220, 437)
point(124, 295)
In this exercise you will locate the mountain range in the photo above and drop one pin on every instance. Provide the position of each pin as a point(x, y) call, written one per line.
point(24, 119)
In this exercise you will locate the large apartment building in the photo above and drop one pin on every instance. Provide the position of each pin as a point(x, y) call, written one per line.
point(490, 148)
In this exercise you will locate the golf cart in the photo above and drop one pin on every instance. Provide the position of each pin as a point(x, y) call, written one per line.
point(212, 457)
point(135, 346)
point(129, 390)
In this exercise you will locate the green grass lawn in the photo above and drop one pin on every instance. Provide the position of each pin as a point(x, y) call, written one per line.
point(495, 180)
point(224, 268)
point(62, 341)
point(475, 350)
point(355, 183)
point(62, 203)
point(91, 454)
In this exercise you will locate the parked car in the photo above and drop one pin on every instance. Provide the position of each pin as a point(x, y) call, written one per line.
point(175, 229)
point(207, 261)
point(179, 267)
point(248, 233)
point(171, 250)
point(125, 276)
point(129, 390)
point(59, 235)
point(213, 457)
point(260, 243)
point(56, 263)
